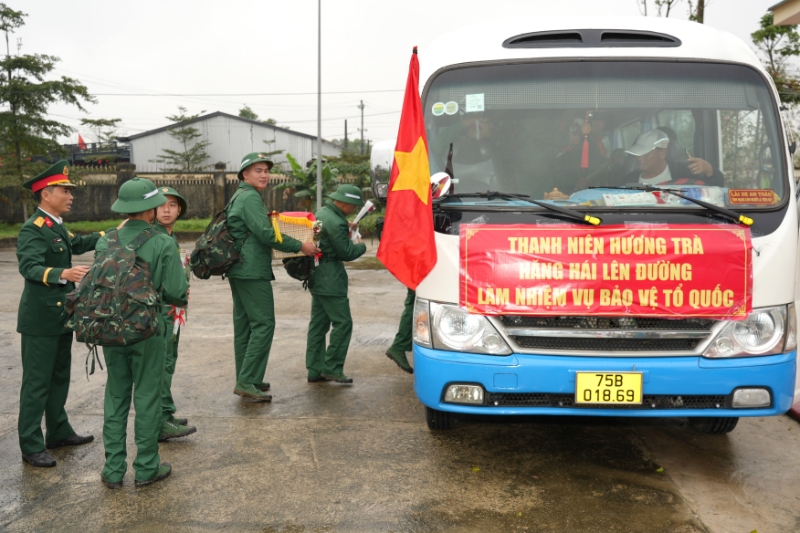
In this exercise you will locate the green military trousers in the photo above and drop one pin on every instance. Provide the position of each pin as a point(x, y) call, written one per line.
point(253, 327)
point(327, 311)
point(171, 341)
point(402, 341)
point(136, 369)
point(45, 384)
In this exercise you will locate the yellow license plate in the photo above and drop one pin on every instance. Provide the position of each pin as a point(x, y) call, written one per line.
point(608, 388)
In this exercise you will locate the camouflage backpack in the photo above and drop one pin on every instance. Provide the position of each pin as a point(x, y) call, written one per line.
point(115, 304)
point(216, 250)
point(301, 268)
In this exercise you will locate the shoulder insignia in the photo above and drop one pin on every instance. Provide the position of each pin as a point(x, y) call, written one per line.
point(71, 235)
point(39, 222)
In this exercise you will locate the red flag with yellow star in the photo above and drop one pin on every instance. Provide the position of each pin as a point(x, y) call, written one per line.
point(407, 247)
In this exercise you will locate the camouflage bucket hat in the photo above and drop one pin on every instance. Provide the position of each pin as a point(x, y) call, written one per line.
point(250, 159)
point(138, 195)
point(169, 191)
point(349, 194)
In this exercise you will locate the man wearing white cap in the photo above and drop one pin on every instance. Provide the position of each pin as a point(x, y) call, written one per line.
point(650, 149)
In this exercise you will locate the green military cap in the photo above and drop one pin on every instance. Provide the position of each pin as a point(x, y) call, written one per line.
point(57, 174)
point(137, 195)
point(255, 157)
point(349, 194)
point(169, 191)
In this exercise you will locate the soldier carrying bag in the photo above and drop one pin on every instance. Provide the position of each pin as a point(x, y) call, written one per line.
point(115, 304)
point(216, 251)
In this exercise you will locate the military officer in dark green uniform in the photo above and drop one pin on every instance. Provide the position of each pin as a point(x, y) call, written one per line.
point(329, 302)
point(166, 215)
point(402, 341)
point(138, 369)
point(44, 251)
point(251, 279)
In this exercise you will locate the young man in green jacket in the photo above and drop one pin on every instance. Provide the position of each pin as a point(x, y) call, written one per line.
point(251, 279)
point(166, 215)
point(44, 251)
point(329, 302)
point(138, 369)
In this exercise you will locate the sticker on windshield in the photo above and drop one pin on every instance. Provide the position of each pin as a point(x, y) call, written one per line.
point(438, 109)
point(474, 103)
point(451, 107)
point(752, 196)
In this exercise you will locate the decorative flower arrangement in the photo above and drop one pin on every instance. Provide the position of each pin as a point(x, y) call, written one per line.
point(316, 228)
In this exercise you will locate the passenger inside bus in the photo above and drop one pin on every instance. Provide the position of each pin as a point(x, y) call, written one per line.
point(651, 150)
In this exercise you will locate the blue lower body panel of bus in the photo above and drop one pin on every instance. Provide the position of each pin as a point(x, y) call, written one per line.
point(525, 384)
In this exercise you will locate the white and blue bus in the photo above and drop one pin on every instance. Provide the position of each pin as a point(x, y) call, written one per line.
point(539, 120)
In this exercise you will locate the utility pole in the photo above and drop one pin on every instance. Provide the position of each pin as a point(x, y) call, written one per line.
point(345, 135)
point(361, 107)
point(319, 104)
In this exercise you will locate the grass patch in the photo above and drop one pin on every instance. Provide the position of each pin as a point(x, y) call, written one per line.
point(368, 263)
point(86, 226)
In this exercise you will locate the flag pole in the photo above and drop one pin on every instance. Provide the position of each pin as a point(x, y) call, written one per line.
point(319, 104)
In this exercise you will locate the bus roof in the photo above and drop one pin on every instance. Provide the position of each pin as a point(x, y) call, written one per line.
point(485, 42)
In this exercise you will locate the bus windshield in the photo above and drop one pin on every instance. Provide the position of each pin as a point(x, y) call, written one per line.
point(573, 132)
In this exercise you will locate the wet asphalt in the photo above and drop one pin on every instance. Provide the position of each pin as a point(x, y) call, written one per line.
point(325, 457)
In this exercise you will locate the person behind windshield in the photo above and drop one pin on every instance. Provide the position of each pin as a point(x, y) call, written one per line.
point(650, 150)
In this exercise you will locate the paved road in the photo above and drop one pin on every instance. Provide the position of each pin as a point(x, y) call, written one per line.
point(325, 457)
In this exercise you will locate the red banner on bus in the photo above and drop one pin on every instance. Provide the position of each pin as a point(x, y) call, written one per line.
point(659, 271)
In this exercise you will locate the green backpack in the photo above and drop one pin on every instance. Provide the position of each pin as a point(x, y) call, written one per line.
point(115, 304)
point(216, 251)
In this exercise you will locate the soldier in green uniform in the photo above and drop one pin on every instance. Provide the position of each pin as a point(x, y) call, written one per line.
point(44, 251)
point(166, 215)
point(402, 341)
point(138, 369)
point(329, 302)
point(251, 279)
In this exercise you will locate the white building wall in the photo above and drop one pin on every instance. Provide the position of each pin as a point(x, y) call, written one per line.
point(230, 139)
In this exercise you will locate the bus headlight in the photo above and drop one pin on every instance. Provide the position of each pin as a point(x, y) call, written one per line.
point(766, 331)
point(455, 329)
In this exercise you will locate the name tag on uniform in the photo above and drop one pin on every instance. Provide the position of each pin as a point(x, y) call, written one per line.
point(58, 239)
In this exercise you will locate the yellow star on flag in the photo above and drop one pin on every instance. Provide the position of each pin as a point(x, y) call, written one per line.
point(415, 173)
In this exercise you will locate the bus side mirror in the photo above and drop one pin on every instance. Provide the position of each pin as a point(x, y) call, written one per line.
point(792, 147)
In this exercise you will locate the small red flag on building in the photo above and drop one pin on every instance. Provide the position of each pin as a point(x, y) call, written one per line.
point(408, 248)
point(81, 143)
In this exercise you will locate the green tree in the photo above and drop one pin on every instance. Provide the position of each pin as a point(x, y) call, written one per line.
point(777, 45)
point(304, 181)
point(25, 95)
point(352, 165)
point(193, 156)
point(105, 130)
point(248, 113)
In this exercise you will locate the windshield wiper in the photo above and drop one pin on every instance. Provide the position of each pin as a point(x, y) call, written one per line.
point(727, 213)
point(488, 194)
point(576, 215)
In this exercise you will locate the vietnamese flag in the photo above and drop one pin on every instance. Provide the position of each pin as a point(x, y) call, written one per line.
point(407, 246)
point(81, 143)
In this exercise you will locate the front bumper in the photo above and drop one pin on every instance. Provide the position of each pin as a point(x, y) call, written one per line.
point(548, 381)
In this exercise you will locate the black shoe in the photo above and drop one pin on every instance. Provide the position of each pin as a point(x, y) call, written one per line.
point(179, 421)
point(111, 484)
point(338, 378)
point(263, 387)
point(316, 379)
point(39, 459)
point(72, 440)
point(164, 470)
